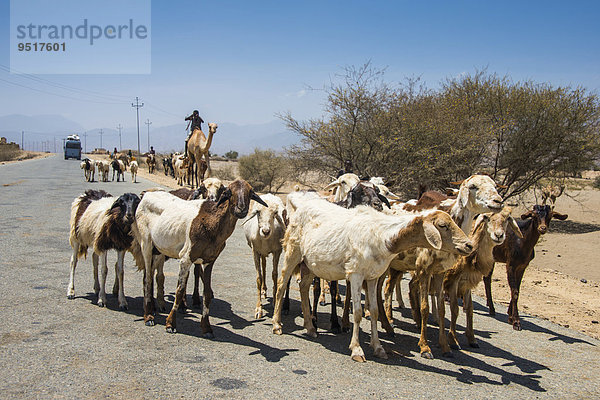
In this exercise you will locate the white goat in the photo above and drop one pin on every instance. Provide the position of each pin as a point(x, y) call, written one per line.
point(477, 194)
point(384, 190)
point(264, 234)
point(181, 170)
point(193, 231)
point(133, 166)
point(104, 223)
point(103, 170)
point(214, 188)
point(342, 185)
point(356, 244)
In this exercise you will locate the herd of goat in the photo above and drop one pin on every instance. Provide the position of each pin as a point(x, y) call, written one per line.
point(176, 165)
point(354, 230)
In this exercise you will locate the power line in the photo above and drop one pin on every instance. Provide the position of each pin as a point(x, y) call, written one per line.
point(137, 107)
point(56, 94)
point(38, 79)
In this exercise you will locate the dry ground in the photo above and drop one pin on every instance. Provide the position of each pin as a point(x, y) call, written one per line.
point(552, 287)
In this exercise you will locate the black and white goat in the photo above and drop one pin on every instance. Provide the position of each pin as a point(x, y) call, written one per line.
point(118, 167)
point(102, 222)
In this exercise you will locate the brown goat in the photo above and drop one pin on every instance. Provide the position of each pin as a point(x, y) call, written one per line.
point(488, 231)
point(517, 253)
point(192, 231)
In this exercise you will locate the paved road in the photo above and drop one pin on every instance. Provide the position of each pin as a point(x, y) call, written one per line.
point(51, 347)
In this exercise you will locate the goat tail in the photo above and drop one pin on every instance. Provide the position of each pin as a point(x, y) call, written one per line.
point(136, 251)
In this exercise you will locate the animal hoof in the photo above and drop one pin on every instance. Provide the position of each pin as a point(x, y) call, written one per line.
point(455, 347)
point(149, 323)
point(492, 313)
point(427, 355)
point(322, 303)
point(517, 326)
point(345, 329)
point(208, 335)
point(171, 329)
point(311, 333)
point(474, 345)
point(123, 307)
point(390, 333)
point(100, 303)
point(277, 330)
point(380, 353)
point(448, 354)
point(336, 329)
point(70, 296)
point(359, 358)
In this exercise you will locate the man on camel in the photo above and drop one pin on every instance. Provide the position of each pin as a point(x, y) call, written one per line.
point(196, 123)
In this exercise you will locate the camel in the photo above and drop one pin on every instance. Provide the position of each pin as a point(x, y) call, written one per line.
point(198, 146)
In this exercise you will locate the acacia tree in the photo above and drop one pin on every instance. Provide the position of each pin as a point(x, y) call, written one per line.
point(516, 132)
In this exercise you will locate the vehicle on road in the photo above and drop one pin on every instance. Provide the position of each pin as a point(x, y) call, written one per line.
point(72, 147)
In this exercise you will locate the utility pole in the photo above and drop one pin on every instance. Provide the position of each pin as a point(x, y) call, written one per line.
point(120, 145)
point(85, 142)
point(137, 107)
point(101, 138)
point(148, 123)
point(22, 138)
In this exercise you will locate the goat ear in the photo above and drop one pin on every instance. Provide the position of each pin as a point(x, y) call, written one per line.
point(512, 224)
point(478, 221)
point(226, 195)
point(432, 235)
point(256, 198)
point(332, 185)
point(528, 214)
point(463, 196)
point(457, 183)
point(284, 215)
point(384, 200)
point(560, 216)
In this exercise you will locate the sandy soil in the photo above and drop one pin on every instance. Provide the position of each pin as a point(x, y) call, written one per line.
point(28, 155)
point(562, 283)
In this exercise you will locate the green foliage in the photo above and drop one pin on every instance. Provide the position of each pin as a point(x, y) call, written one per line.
point(516, 132)
point(232, 155)
point(264, 170)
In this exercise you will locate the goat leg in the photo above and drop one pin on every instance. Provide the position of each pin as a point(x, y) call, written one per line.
point(207, 297)
point(335, 325)
point(385, 323)
point(487, 283)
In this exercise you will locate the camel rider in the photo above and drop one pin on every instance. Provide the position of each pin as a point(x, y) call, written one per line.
point(196, 123)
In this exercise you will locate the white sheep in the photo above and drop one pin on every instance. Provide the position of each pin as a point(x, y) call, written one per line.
point(264, 229)
point(102, 222)
point(356, 244)
point(133, 166)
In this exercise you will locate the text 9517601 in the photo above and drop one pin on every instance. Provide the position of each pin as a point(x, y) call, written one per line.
point(41, 46)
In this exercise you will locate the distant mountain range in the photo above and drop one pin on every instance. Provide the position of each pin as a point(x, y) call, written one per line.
point(241, 138)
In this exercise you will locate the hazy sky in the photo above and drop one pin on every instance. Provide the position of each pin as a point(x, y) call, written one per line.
point(244, 61)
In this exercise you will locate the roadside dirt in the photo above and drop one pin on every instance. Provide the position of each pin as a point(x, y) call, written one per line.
point(28, 155)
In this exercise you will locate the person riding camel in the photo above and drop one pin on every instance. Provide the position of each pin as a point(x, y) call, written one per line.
point(196, 123)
